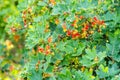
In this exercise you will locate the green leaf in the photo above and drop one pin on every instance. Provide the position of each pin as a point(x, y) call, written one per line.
point(101, 55)
point(102, 72)
point(109, 16)
point(69, 49)
point(50, 69)
point(34, 36)
point(91, 53)
point(37, 75)
point(86, 62)
point(113, 46)
point(37, 19)
point(61, 46)
point(52, 78)
point(71, 17)
point(41, 3)
point(56, 10)
point(48, 58)
point(78, 75)
point(81, 47)
point(41, 56)
point(65, 75)
point(114, 69)
point(59, 56)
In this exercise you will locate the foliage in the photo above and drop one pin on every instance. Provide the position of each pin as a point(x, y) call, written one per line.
point(63, 39)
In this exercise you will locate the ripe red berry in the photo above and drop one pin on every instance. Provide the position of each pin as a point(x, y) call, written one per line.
point(95, 19)
point(16, 37)
point(75, 34)
point(86, 26)
point(93, 23)
point(38, 61)
point(81, 17)
point(102, 22)
point(68, 33)
point(64, 27)
point(50, 39)
point(41, 50)
point(13, 30)
point(47, 47)
point(47, 51)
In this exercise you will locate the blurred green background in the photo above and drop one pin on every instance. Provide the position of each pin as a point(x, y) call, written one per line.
point(10, 58)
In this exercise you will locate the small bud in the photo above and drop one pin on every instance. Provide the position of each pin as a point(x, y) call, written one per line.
point(13, 30)
point(49, 39)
